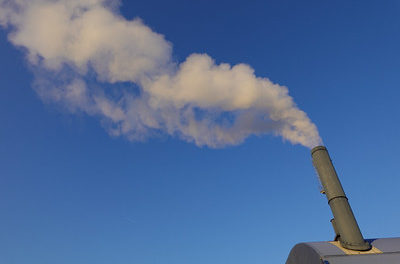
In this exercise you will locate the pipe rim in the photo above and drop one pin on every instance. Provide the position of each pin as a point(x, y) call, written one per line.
point(318, 148)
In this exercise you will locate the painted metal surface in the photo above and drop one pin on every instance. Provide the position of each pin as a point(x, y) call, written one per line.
point(351, 247)
point(344, 222)
point(384, 250)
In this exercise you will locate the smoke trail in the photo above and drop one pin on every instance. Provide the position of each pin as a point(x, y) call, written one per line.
point(88, 58)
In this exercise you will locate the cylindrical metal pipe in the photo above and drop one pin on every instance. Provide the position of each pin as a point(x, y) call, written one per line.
point(349, 233)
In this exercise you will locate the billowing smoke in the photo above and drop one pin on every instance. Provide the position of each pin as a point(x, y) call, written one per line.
point(88, 58)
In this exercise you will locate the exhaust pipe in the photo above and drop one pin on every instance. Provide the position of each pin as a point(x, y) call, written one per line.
point(344, 223)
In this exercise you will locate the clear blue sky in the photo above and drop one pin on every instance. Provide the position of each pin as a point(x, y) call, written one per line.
point(71, 194)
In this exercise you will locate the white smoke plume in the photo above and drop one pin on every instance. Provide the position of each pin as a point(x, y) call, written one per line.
point(89, 58)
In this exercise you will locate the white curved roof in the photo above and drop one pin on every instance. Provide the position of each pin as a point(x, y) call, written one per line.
point(385, 251)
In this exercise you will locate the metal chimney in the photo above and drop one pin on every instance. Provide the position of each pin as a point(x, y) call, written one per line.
point(346, 228)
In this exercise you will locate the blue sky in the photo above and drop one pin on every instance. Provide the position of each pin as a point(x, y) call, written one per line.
point(71, 193)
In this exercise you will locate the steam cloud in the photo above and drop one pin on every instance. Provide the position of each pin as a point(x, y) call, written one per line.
point(89, 58)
